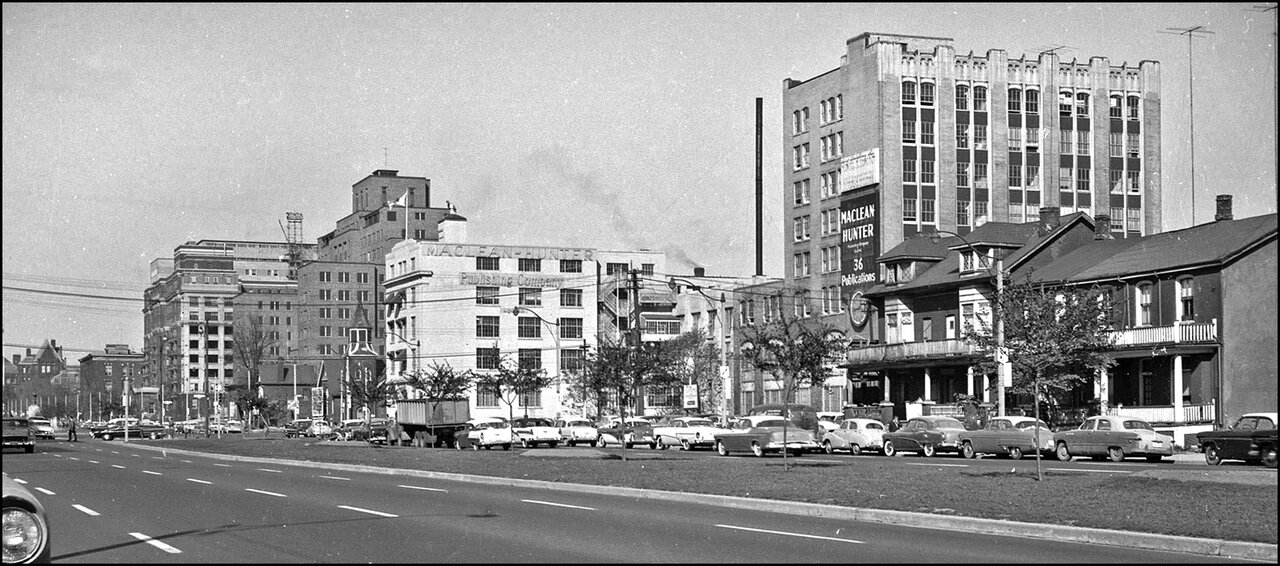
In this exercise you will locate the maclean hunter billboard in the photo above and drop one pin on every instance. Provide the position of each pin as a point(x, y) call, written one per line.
point(859, 231)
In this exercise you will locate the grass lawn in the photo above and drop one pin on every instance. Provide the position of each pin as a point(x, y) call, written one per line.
point(1192, 508)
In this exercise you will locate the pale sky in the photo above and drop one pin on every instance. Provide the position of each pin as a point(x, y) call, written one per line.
point(130, 129)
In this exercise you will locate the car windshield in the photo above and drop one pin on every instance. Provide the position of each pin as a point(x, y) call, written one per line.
point(1138, 425)
point(944, 423)
point(774, 423)
point(533, 422)
point(699, 422)
point(1031, 424)
point(578, 423)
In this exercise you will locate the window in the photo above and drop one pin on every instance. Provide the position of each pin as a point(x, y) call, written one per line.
point(801, 264)
point(1116, 145)
point(486, 295)
point(830, 182)
point(1082, 105)
point(1032, 101)
point(1082, 180)
point(962, 97)
point(908, 209)
point(1132, 138)
point(530, 296)
point(962, 212)
point(800, 156)
point(979, 99)
point(908, 93)
point(615, 269)
point(839, 106)
point(962, 136)
point(926, 133)
point(326, 331)
point(926, 172)
point(1133, 219)
point(1132, 106)
point(1117, 109)
point(1186, 299)
point(825, 113)
point(1015, 100)
point(570, 327)
point(1064, 179)
point(570, 266)
point(908, 170)
point(1033, 177)
point(1065, 145)
point(1015, 139)
point(344, 277)
point(979, 136)
point(486, 263)
point(800, 190)
point(571, 297)
point(1134, 177)
point(571, 360)
point(527, 264)
point(980, 177)
point(486, 327)
point(530, 358)
point(908, 131)
point(486, 395)
point(529, 327)
point(1117, 181)
point(1015, 176)
point(926, 211)
point(1065, 101)
point(344, 295)
point(326, 277)
point(1144, 305)
point(1117, 219)
point(926, 94)
point(800, 120)
point(962, 174)
point(1082, 142)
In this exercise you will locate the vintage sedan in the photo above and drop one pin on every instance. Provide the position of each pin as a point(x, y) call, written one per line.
point(26, 526)
point(1114, 437)
point(484, 432)
point(686, 432)
point(854, 435)
point(294, 429)
point(578, 430)
point(1252, 439)
point(1007, 436)
point(41, 428)
point(532, 431)
point(764, 434)
point(636, 431)
point(17, 434)
point(925, 435)
point(142, 429)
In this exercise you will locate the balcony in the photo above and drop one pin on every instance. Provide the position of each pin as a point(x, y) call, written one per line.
point(1178, 333)
point(1168, 414)
point(909, 351)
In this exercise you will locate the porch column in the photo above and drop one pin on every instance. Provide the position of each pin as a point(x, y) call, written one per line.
point(1177, 389)
point(1101, 391)
point(986, 387)
point(969, 381)
point(928, 385)
point(885, 375)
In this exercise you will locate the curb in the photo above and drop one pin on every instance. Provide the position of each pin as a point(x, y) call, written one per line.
point(1146, 541)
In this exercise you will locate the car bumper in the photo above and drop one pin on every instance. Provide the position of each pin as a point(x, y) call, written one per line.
point(808, 445)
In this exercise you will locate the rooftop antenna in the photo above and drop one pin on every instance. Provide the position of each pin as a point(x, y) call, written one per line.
point(293, 237)
point(1050, 49)
point(1191, 33)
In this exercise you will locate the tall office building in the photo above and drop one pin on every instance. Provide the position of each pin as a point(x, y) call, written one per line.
point(907, 137)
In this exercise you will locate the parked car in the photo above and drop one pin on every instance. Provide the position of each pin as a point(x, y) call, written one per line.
point(855, 435)
point(297, 428)
point(636, 431)
point(320, 429)
point(764, 434)
point(17, 434)
point(686, 432)
point(140, 429)
point(486, 432)
point(376, 432)
point(1252, 439)
point(532, 431)
point(40, 428)
point(1007, 436)
point(226, 427)
point(26, 526)
point(575, 430)
point(1115, 437)
point(829, 420)
point(348, 429)
point(925, 435)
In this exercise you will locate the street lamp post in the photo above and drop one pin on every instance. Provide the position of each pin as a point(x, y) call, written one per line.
point(555, 336)
point(1004, 372)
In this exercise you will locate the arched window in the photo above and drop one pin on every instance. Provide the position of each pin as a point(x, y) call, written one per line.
point(1186, 299)
point(1065, 101)
point(1015, 100)
point(1082, 104)
point(1133, 108)
point(926, 94)
point(908, 92)
point(1117, 109)
point(1143, 300)
point(962, 97)
point(979, 99)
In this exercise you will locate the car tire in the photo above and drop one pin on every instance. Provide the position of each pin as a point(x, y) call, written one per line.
point(1015, 452)
point(596, 441)
point(653, 445)
point(571, 443)
point(1062, 453)
point(1115, 454)
point(506, 446)
point(966, 450)
point(525, 443)
point(721, 450)
point(855, 450)
point(684, 445)
point(553, 444)
point(661, 445)
point(457, 445)
point(928, 450)
point(757, 450)
point(826, 447)
point(1269, 457)
point(889, 450)
point(1212, 456)
point(476, 446)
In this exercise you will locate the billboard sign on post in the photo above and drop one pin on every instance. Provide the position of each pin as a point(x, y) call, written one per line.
point(859, 250)
point(317, 402)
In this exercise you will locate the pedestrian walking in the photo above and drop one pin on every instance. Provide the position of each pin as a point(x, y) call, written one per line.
point(71, 431)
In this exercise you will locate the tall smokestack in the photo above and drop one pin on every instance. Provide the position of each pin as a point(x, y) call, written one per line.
point(759, 186)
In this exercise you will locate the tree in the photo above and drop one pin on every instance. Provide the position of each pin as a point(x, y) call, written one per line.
point(438, 383)
point(252, 344)
point(794, 351)
point(696, 361)
point(1055, 338)
point(512, 380)
point(366, 390)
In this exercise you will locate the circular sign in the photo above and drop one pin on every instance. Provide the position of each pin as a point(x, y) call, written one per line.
point(857, 310)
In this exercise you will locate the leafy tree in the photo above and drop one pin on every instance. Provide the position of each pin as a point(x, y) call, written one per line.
point(696, 360)
point(600, 377)
point(796, 352)
point(1056, 339)
point(438, 383)
point(512, 380)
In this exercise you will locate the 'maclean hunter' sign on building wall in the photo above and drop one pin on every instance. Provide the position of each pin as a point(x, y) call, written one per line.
point(515, 252)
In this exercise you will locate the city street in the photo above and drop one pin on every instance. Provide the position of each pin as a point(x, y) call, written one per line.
point(112, 502)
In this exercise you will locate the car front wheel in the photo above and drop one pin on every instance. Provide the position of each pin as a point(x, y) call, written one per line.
point(826, 447)
point(855, 450)
point(889, 450)
point(1116, 454)
point(1212, 456)
point(720, 449)
point(927, 450)
point(684, 444)
point(1015, 452)
point(757, 450)
point(661, 445)
point(966, 450)
point(1062, 452)
point(1269, 457)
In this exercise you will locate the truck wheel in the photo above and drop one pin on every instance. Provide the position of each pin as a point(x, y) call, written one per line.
point(506, 446)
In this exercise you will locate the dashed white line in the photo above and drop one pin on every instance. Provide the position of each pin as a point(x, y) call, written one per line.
point(423, 488)
point(157, 457)
point(272, 471)
point(45, 491)
point(152, 473)
point(199, 481)
point(273, 494)
point(185, 461)
point(791, 534)
point(118, 466)
point(557, 504)
point(334, 478)
point(20, 480)
point(155, 543)
point(94, 462)
point(369, 511)
point(136, 455)
point(74, 458)
point(223, 465)
point(86, 510)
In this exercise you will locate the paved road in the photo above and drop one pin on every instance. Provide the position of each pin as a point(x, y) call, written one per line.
point(113, 502)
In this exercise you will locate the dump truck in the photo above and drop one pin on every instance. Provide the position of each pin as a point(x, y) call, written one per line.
point(433, 422)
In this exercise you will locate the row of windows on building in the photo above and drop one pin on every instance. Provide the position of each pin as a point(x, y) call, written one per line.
point(832, 147)
point(831, 110)
point(362, 277)
point(831, 302)
point(975, 98)
point(488, 326)
point(528, 296)
point(829, 183)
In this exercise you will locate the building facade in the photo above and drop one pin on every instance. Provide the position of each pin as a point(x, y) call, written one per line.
point(105, 376)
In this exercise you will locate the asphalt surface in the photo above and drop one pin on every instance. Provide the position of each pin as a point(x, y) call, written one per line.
point(1190, 545)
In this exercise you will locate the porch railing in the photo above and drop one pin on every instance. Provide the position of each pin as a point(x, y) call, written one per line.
point(907, 350)
point(1204, 413)
point(1177, 333)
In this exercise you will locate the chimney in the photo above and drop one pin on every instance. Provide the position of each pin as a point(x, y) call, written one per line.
point(699, 272)
point(1224, 208)
point(1102, 227)
point(17, 358)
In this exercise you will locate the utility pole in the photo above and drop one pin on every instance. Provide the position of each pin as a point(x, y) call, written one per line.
point(635, 333)
point(1191, 33)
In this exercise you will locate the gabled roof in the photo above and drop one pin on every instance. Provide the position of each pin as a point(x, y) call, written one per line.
point(1206, 244)
point(920, 247)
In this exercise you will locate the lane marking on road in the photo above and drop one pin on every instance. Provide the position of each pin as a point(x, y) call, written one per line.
point(273, 494)
point(423, 488)
point(791, 534)
point(117, 466)
point(272, 471)
point(826, 461)
point(94, 462)
point(369, 511)
point(199, 481)
point(152, 473)
point(535, 501)
point(113, 452)
point(86, 510)
point(223, 465)
point(45, 491)
point(943, 465)
point(1089, 470)
point(185, 461)
point(155, 543)
point(334, 478)
point(20, 480)
point(74, 458)
point(136, 455)
point(157, 457)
